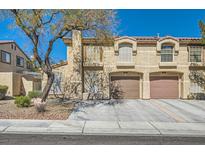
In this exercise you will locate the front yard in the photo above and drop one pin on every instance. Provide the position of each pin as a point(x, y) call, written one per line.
point(54, 111)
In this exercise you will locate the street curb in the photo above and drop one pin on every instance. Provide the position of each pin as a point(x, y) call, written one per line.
point(102, 134)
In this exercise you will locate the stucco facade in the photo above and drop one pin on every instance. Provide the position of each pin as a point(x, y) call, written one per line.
point(16, 75)
point(145, 62)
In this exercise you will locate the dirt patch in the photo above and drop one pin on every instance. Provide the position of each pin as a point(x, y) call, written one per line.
point(54, 111)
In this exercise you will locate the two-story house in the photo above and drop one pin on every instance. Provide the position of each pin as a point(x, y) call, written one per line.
point(16, 70)
point(133, 67)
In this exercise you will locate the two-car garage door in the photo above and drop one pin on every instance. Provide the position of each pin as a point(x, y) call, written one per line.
point(164, 87)
point(161, 87)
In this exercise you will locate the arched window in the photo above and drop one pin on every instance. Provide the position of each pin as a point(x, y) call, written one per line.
point(167, 53)
point(125, 53)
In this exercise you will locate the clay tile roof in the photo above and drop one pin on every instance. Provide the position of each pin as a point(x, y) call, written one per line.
point(146, 38)
point(189, 38)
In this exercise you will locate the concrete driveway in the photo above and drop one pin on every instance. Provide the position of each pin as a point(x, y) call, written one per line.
point(163, 110)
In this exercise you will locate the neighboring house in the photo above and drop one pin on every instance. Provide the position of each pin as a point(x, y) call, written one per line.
point(15, 70)
point(132, 67)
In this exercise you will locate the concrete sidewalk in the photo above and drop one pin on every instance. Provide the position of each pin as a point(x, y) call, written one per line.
point(117, 128)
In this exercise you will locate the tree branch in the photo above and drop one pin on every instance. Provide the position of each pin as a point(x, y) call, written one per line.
point(61, 34)
point(30, 33)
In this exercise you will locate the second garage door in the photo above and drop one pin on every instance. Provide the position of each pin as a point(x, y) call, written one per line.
point(164, 87)
point(128, 85)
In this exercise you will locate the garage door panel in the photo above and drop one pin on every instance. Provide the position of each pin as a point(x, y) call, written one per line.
point(164, 87)
point(128, 85)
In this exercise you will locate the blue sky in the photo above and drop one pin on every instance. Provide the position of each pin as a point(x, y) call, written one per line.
point(179, 23)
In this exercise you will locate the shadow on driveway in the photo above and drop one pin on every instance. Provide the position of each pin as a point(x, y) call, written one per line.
point(156, 110)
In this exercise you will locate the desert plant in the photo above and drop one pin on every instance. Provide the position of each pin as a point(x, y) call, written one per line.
point(34, 94)
point(39, 105)
point(196, 96)
point(22, 101)
point(3, 91)
point(190, 97)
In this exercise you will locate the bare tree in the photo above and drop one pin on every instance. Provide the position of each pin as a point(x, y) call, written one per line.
point(115, 90)
point(63, 87)
point(95, 84)
point(45, 27)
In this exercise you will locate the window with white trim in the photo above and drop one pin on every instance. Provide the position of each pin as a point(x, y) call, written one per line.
point(167, 53)
point(125, 53)
point(195, 53)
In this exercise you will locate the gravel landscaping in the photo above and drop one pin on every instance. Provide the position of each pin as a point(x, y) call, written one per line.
point(54, 111)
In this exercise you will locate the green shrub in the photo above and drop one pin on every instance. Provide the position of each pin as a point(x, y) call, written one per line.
point(3, 89)
point(22, 101)
point(34, 94)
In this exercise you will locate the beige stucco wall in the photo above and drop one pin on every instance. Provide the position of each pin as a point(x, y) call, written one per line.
point(27, 85)
point(146, 62)
point(18, 84)
point(4, 67)
point(6, 78)
point(13, 81)
point(11, 75)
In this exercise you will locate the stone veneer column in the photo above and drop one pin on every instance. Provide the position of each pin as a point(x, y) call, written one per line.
point(77, 63)
point(146, 86)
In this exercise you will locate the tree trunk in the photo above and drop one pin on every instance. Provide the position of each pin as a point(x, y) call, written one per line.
point(47, 88)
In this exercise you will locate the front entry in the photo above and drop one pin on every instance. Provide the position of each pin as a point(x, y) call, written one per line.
point(162, 87)
point(126, 87)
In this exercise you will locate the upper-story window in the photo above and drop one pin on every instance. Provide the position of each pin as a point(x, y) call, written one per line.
point(195, 54)
point(19, 61)
point(167, 53)
point(5, 57)
point(13, 46)
point(125, 53)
